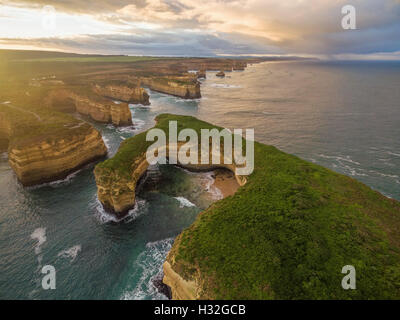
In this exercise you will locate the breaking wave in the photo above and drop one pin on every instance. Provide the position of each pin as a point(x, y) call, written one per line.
point(70, 253)
point(62, 182)
point(40, 235)
point(183, 202)
point(107, 142)
point(149, 266)
point(225, 86)
point(103, 216)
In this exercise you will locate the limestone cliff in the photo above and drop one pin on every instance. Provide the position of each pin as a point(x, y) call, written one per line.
point(54, 157)
point(103, 110)
point(117, 191)
point(239, 65)
point(287, 234)
point(126, 92)
point(184, 87)
point(90, 104)
point(181, 289)
point(290, 221)
point(201, 74)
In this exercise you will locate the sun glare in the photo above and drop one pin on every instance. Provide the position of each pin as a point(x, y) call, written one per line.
point(17, 22)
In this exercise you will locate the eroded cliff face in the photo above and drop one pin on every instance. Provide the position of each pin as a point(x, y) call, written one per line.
point(103, 110)
point(217, 64)
point(181, 289)
point(201, 74)
point(117, 192)
point(54, 158)
point(183, 87)
point(94, 106)
point(117, 179)
point(128, 93)
point(239, 66)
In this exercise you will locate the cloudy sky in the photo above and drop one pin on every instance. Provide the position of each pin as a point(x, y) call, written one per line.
point(203, 27)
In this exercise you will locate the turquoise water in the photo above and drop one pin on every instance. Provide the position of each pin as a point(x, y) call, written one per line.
point(344, 116)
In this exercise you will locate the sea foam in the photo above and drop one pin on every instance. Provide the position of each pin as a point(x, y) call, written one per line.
point(149, 266)
point(103, 216)
point(70, 253)
point(183, 202)
point(225, 86)
point(40, 235)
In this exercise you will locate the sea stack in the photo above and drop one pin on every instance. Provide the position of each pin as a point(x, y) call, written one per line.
point(129, 92)
point(53, 158)
point(186, 87)
point(201, 74)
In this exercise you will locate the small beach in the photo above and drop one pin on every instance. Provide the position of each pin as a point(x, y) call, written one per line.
point(225, 181)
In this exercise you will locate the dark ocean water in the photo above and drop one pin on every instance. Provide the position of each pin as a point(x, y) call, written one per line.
point(344, 116)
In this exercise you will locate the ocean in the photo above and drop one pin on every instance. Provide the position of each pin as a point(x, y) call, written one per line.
point(342, 115)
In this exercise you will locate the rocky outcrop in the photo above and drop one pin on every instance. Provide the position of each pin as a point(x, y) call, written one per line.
point(117, 192)
point(184, 87)
point(181, 289)
point(129, 93)
point(102, 110)
point(201, 74)
point(45, 145)
point(291, 220)
point(92, 105)
point(116, 178)
point(54, 157)
point(239, 65)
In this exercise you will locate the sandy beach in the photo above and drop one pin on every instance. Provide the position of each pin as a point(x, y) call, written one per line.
point(226, 182)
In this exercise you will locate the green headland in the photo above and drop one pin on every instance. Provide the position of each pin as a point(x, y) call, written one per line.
point(285, 234)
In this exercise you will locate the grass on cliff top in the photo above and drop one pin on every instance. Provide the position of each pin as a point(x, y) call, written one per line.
point(93, 59)
point(287, 233)
point(31, 122)
point(134, 147)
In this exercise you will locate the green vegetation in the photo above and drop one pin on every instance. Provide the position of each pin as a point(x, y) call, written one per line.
point(27, 121)
point(50, 56)
point(89, 59)
point(287, 233)
point(134, 147)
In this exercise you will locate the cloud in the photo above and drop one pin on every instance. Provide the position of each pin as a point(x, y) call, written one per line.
point(258, 26)
point(154, 43)
point(77, 6)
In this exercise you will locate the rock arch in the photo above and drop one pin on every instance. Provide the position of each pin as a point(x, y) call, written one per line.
point(117, 193)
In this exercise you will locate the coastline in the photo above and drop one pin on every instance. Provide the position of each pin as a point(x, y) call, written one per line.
point(70, 202)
